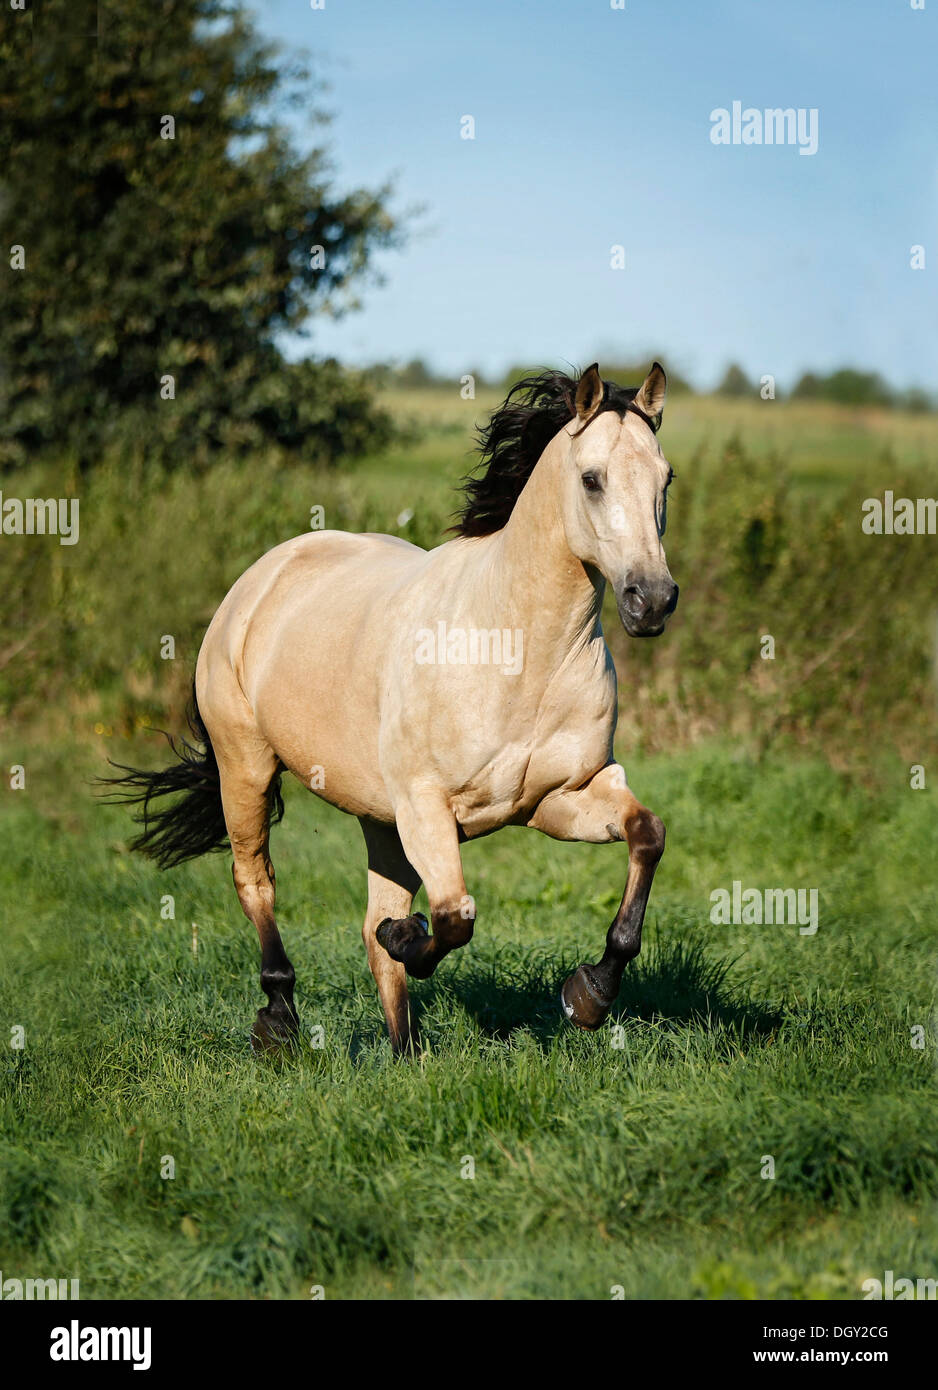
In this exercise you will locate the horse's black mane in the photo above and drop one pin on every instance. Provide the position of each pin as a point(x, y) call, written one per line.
point(513, 440)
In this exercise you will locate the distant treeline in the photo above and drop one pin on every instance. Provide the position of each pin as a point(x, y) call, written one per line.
point(416, 374)
point(845, 386)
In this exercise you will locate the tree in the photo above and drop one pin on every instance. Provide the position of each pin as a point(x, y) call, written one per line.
point(170, 232)
point(917, 400)
point(851, 387)
point(735, 382)
point(808, 387)
point(847, 386)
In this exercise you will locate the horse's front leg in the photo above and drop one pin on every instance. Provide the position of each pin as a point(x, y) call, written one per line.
point(602, 811)
point(430, 839)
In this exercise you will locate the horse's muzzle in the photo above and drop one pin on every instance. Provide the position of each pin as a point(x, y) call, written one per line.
point(646, 604)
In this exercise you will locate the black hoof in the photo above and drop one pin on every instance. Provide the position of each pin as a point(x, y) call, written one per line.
point(276, 1029)
point(395, 935)
point(583, 1002)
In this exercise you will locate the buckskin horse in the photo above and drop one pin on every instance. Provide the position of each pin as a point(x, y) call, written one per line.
point(311, 665)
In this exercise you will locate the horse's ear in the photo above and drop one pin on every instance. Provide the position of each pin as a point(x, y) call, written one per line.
point(652, 392)
point(589, 393)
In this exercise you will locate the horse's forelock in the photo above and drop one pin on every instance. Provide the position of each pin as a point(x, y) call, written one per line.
point(509, 446)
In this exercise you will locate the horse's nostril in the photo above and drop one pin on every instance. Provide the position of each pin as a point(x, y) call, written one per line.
point(634, 599)
point(672, 601)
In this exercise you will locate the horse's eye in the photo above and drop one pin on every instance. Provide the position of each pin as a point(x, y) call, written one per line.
point(592, 483)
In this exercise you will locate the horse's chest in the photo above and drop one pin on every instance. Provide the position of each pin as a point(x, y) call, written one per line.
point(564, 747)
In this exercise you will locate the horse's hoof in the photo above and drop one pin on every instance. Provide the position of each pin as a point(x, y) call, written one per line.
point(394, 934)
point(582, 1002)
point(274, 1032)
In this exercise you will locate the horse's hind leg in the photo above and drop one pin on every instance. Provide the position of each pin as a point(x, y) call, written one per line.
point(392, 884)
point(246, 780)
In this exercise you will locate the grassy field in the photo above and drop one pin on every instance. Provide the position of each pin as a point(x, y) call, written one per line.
point(516, 1158)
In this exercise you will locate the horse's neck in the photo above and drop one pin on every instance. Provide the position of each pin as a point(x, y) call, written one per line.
point(537, 576)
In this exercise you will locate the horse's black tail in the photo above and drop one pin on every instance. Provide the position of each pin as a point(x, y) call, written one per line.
point(194, 823)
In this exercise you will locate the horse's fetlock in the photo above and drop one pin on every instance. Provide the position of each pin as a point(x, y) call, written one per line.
point(629, 947)
point(278, 980)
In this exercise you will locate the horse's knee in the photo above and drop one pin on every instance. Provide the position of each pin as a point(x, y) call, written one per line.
point(453, 926)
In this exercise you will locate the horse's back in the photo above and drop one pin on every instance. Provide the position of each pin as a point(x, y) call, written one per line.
point(300, 573)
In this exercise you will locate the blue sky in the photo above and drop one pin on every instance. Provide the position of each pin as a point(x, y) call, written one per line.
point(592, 129)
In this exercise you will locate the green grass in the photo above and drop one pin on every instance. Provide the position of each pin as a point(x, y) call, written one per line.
point(595, 1165)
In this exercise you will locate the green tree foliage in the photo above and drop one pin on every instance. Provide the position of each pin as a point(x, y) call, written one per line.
point(847, 386)
point(735, 382)
point(169, 229)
